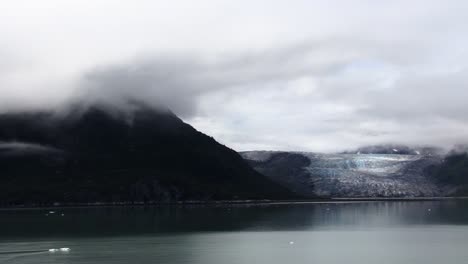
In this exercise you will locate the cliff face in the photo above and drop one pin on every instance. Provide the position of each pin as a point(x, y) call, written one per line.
point(98, 154)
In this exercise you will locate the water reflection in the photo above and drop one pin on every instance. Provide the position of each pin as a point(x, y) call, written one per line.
point(371, 232)
point(121, 221)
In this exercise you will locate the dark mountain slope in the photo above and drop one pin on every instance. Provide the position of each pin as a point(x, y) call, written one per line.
point(99, 154)
point(287, 169)
point(453, 171)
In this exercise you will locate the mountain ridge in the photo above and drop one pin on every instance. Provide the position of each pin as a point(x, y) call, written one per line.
point(102, 154)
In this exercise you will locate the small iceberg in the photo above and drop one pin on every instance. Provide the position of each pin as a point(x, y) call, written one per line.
point(64, 249)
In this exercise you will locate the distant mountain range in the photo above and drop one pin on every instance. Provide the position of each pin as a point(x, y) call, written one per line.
point(375, 171)
point(396, 149)
point(101, 154)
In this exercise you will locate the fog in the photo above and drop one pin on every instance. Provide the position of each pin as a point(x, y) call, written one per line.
point(271, 75)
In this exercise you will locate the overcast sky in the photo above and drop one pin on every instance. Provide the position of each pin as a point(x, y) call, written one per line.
point(278, 75)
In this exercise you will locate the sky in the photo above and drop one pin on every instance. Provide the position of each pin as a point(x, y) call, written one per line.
point(298, 75)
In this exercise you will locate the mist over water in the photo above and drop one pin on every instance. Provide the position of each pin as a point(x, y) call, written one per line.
point(356, 232)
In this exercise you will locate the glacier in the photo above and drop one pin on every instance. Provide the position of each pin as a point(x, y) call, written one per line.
point(349, 175)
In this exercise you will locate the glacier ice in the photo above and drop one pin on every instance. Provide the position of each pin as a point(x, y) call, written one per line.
point(351, 174)
point(369, 175)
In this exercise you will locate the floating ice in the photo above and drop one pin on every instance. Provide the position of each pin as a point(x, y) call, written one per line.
point(395, 150)
point(291, 242)
point(64, 249)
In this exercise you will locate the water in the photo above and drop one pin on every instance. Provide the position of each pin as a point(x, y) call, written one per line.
point(365, 232)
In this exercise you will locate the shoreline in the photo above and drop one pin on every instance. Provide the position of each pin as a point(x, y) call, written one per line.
point(235, 202)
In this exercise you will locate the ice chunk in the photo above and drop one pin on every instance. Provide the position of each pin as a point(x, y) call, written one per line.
point(64, 249)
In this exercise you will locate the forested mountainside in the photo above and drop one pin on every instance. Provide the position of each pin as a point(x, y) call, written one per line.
point(100, 154)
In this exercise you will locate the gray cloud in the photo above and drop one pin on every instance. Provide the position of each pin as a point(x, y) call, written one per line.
point(305, 75)
point(179, 82)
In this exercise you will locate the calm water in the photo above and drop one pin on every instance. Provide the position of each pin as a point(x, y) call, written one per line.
point(369, 232)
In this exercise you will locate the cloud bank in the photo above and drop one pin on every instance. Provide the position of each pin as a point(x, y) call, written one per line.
point(306, 75)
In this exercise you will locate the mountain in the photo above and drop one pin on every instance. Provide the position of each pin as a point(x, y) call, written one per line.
point(102, 154)
point(374, 173)
point(453, 171)
point(396, 149)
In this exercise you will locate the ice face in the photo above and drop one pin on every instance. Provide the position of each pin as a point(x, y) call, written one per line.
point(351, 175)
point(370, 175)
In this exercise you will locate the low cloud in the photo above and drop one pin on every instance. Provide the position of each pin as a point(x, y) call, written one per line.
point(180, 83)
point(21, 148)
point(306, 75)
